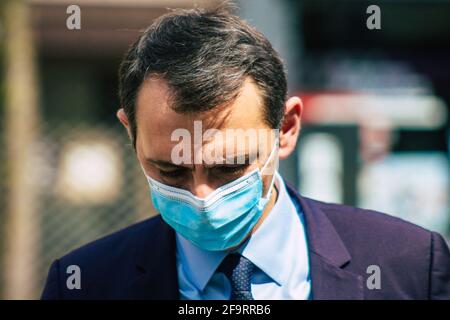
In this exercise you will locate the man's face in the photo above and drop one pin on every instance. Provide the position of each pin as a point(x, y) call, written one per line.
point(157, 121)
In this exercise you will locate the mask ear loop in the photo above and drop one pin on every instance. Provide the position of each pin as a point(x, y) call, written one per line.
point(274, 149)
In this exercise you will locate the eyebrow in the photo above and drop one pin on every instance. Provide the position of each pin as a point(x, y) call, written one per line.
point(234, 159)
point(164, 163)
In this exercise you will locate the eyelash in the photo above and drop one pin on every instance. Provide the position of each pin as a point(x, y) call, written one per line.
point(171, 174)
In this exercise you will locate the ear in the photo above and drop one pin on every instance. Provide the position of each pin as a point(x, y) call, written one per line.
point(121, 115)
point(290, 127)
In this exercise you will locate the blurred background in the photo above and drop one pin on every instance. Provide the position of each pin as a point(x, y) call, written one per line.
point(375, 126)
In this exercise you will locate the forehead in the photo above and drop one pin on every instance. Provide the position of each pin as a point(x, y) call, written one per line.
point(156, 120)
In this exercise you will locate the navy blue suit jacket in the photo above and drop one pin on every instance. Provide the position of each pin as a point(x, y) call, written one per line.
point(139, 262)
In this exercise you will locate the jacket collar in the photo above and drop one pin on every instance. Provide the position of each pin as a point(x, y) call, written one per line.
point(155, 258)
point(328, 255)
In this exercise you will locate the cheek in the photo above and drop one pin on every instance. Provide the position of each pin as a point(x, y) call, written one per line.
point(140, 156)
point(267, 179)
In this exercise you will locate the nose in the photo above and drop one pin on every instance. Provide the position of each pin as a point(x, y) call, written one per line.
point(201, 189)
point(200, 185)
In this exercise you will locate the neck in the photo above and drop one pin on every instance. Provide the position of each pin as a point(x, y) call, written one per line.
point(267, 209)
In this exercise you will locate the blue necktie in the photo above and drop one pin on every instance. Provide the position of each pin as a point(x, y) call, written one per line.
point(238, 270)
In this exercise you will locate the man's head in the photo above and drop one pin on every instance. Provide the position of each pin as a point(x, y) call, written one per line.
point(209, 66)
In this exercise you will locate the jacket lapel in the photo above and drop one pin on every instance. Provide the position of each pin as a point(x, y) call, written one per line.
point(328, 255)
point(155, 258)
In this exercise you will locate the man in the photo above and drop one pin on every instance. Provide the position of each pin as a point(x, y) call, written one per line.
point(235, 229)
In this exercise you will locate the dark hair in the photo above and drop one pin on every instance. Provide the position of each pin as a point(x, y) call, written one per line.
point(204, 55)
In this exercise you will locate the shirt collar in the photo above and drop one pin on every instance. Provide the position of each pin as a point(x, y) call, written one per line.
point(268, 248)
point(265, 248)
point(199, 264)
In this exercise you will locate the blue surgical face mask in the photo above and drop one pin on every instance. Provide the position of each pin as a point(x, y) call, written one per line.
point(224, 218)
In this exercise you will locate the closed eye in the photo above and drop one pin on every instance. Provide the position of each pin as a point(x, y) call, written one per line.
point(176, 173)
point(236, 169)
point(218, 170)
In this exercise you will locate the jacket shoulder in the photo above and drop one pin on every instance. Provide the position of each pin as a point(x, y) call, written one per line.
point(113, 244)
point(401, 250)
point(104, 264)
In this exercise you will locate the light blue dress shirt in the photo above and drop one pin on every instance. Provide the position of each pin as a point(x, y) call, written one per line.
point(278, 248)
